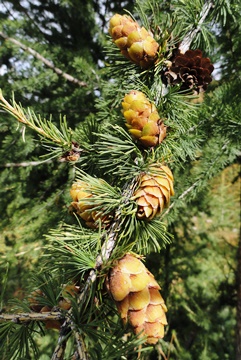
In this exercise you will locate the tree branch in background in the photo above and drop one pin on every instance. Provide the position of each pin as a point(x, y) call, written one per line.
point(187, 40)
point(47, 62)
point(25, 163)
point(187, 191)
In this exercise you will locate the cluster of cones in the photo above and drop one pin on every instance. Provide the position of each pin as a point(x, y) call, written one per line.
point(133, 288)
point(190, 70)
point(152, 196)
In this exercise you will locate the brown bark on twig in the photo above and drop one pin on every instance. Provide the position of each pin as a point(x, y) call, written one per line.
point(45, 61)
point(32, 316)
point(81, 352)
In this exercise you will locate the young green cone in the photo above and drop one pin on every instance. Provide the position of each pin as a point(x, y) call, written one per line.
point(137, 297)
point(135, 42)
point(142, 119)
point(154, 192)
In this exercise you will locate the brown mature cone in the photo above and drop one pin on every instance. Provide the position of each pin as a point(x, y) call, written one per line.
point(142, 119)
point(154, 192)
point(137, 297)
point(191, 70)
point(79, 192)
point(135, 42)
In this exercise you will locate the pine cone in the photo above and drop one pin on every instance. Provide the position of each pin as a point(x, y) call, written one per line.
point(191, 70)
point(137, 297)
point(142, 119)
point(154, 192)
point(78, 193)
point(135, 42)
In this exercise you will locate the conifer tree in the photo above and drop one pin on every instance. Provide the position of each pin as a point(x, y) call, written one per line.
point(134, 163)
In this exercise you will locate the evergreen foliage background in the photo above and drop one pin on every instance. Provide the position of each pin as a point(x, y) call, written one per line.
point(197, 270)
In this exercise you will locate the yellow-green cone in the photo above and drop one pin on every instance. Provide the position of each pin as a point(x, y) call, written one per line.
point(142, 119)
point(135, 42)
point(138, 298)
point(79, 192)
point(154, 191)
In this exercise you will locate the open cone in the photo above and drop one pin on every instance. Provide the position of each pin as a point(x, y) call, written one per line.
point(191, 70)
point(154, 191)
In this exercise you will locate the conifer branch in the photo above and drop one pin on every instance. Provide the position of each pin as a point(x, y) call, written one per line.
point(187, 191)
point(81, 352)
point(60, 349)
point(109, 243)
point(44, 128)
point(46, 62)
point(187, 40)
point(31, 316)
